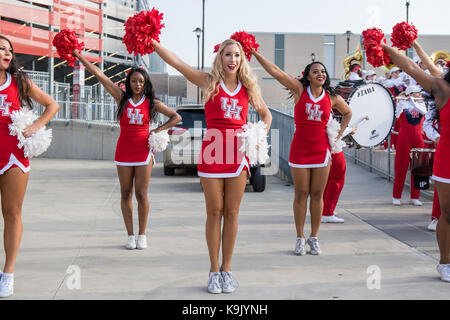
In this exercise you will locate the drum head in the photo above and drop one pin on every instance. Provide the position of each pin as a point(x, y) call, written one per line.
point(374, 101)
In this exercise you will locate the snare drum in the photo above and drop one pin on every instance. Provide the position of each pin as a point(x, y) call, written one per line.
point(422, 166)
point(372, 101)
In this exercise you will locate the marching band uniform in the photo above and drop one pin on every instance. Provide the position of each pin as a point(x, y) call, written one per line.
point(410, 136)
point(310, 147)
point(335, 184)
point(132, 147)
point(225, 115)
point(10, 155)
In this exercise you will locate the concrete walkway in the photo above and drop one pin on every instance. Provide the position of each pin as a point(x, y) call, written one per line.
point(73, 226)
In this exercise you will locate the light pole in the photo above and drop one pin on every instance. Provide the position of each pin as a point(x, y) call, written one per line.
point(408, 51)
point(198, 32)
point(313, 57)
point(348, 33)
point(203, 36)
point(407, 10)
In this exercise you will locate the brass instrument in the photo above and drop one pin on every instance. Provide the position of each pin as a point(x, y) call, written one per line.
point(354, 57)
point(440, 55)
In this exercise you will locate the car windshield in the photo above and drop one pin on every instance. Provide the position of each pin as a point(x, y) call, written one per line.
point(189, 116)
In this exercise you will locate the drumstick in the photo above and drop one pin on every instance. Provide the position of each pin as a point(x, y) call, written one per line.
point(360, 121)
point(349, 129)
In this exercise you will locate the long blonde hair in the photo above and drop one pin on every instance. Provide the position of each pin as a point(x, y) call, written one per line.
point(245, 76)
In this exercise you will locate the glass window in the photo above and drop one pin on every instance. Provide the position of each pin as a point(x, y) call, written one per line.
point(329, 45)
point(279, 51)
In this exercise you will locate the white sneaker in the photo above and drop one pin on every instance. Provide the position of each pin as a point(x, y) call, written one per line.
point(229, 283)
point(396, 202)
point(300, 247)
point(332, 219)
point(141, 242)
point(444, 271)
point(131, 242)
point(416, 202)
point(215, 282)
point(314, 245)
point(433, 224)
point(6, 285)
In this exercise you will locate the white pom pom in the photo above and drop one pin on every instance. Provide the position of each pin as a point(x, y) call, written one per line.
point(158, 141)
point(38, 142)
point(333, 128)
point(254, 142)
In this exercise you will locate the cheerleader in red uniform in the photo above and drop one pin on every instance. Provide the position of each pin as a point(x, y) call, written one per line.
point(310, 154)
point(137, 106)
point(227, 89)
point(16, 90)
point(410, 136)
point(440, 89)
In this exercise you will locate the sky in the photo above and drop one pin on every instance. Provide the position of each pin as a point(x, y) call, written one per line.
point(224, 17)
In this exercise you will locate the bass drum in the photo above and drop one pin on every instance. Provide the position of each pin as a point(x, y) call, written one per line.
point(373, 111)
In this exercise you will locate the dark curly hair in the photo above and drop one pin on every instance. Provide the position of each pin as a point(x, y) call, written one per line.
point(305, 82)
point(21, 78)
point(148, 92)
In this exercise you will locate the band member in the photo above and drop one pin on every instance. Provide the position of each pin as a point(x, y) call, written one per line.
point(410, 136)
point(137, 107)
point(370, 76)
point(440, 89)
point(228, 90)
point(333, 189)
point(310, 154)
point(16, 90)
point(356, 72)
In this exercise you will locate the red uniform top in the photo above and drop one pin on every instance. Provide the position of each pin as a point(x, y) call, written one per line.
point(132, 147)
point(10, 155)
point(225, 114)
point(310, 147)
point(441, 169)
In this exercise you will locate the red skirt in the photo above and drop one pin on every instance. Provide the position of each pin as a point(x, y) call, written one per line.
point(10, 155)
point(309, 149)
point(132, 148)
point(441, 169)
point(220, 156)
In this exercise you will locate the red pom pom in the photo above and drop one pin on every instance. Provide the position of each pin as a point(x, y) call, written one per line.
point(140, 29)
point(65, 42)
point(216, 47)
point(247, 42)
point(403, 34)
point(372, 45)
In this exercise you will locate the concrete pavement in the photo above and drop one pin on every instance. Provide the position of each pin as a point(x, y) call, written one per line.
point(73, 226)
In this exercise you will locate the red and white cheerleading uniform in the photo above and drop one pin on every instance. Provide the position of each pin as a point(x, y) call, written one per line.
point(409, 136)
point(132, 147)
point(441, 169)
point(310, 147)
point(225, 115)
point(10, 155)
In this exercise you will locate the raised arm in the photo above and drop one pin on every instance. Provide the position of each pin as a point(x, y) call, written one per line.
point(113, 90)
point(264, 112)
point(411, 68)
point(173, 116)
point(285, 79)
point(434, 71)
point(51, 107)
point(197, 77)
point(340, 105)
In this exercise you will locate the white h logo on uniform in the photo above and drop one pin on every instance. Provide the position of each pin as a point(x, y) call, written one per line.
point(4, 106)
point(233, 110)
point(313, 112)
point(135, 116)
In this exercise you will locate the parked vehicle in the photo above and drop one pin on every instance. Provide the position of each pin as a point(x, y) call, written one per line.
point(186, 142)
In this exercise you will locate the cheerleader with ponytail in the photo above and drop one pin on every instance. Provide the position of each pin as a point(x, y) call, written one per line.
point(310, 152)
